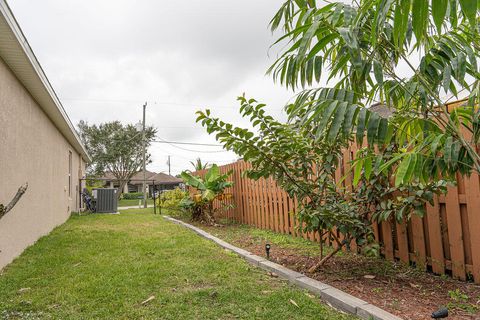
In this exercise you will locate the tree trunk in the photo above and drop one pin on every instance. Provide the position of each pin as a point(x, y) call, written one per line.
point(5, 209)
point(320, 233)
point(322, 261)
point(120, 188)
point(330, 255)
point(204, 214)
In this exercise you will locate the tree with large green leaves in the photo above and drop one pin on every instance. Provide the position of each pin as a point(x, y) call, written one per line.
point(405, 54)
point(115, 148)
point(305, 169)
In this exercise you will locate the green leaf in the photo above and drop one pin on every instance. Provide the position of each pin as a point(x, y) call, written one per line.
point(435, 144)
point(318, 68)
point(453, 13)
point(320, 45)
point(382, 131)
point(410, 169)
point(372, 128)
point(338, 120)
point(417, 173)
point(402, 170)
point(348, 124)
point(326, 116)
point(380, 16)
point(378, 72)
point(357, 171)
point(212, 173)
point(469, 8)
point(419, 18)
point(192, 180)
point(390, 162)
point(455, 152)
point(447, 78)
point(307, 38)
point(439, 9)
point(208, 195)
point(447, 150)
point(400, 26)
point(459, 66)
point(368, 167)
point(362, 118)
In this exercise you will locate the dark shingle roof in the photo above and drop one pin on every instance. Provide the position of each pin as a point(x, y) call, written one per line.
point(159, 178)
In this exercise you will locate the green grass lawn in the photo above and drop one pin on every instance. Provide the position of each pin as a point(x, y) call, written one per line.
point(132, 202)
point(105, 266)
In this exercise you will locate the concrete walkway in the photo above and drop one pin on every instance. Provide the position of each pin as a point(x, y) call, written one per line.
point(134, 207)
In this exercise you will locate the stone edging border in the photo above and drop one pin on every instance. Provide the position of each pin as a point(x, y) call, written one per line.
point(337, 298)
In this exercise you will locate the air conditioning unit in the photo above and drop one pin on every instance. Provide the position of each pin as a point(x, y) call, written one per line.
point(106, 200)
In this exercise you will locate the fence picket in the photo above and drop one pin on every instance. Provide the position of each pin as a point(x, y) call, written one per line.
point(473, 206)
point(387, 239)
point(435, 237)
point(419, 249)
point(455, 233)
point(402, 240)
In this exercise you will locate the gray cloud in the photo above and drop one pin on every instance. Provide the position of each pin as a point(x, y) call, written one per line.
point(105, 58)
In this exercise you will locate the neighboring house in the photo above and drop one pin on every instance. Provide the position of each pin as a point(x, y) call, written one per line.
point(38, 144)
point(155, 181)
point(382, 110)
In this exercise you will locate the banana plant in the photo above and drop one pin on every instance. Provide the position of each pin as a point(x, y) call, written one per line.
point(209, 188)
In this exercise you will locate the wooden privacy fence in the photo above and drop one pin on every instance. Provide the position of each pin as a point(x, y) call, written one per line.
point(445, 240)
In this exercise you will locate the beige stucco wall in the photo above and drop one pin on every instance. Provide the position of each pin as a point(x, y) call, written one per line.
point(32, 150)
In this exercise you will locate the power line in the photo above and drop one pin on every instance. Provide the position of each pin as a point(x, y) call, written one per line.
point(192, 158)
point(173, 144)
point(197, 151)
point(153, 102)
point(200, 105)
point(188, 143)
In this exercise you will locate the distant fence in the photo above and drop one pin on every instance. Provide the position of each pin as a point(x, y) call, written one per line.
point(445, 240)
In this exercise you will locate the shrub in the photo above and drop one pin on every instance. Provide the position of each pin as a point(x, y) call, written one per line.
point(171, 199)
point(133, 195)
point(93, 184)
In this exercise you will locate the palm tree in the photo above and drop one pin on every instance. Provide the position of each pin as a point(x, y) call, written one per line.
point(198, 165)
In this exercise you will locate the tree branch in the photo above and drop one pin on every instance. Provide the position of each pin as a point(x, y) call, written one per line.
point(5, 209)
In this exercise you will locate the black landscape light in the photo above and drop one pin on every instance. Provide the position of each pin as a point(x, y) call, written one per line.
point(440, 313)
point(267, 250)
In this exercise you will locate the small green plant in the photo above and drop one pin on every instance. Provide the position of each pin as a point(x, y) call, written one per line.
point(377, 290)
point(460, 300)
point(458, 295)
point(210, 188)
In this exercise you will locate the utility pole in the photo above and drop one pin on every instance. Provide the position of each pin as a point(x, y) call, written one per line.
point(144, 160)
point(169, 165)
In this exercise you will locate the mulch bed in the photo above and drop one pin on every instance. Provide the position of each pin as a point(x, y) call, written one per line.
point(399, 289)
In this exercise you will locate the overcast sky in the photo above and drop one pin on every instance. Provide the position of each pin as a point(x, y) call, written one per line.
point(106, 58)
